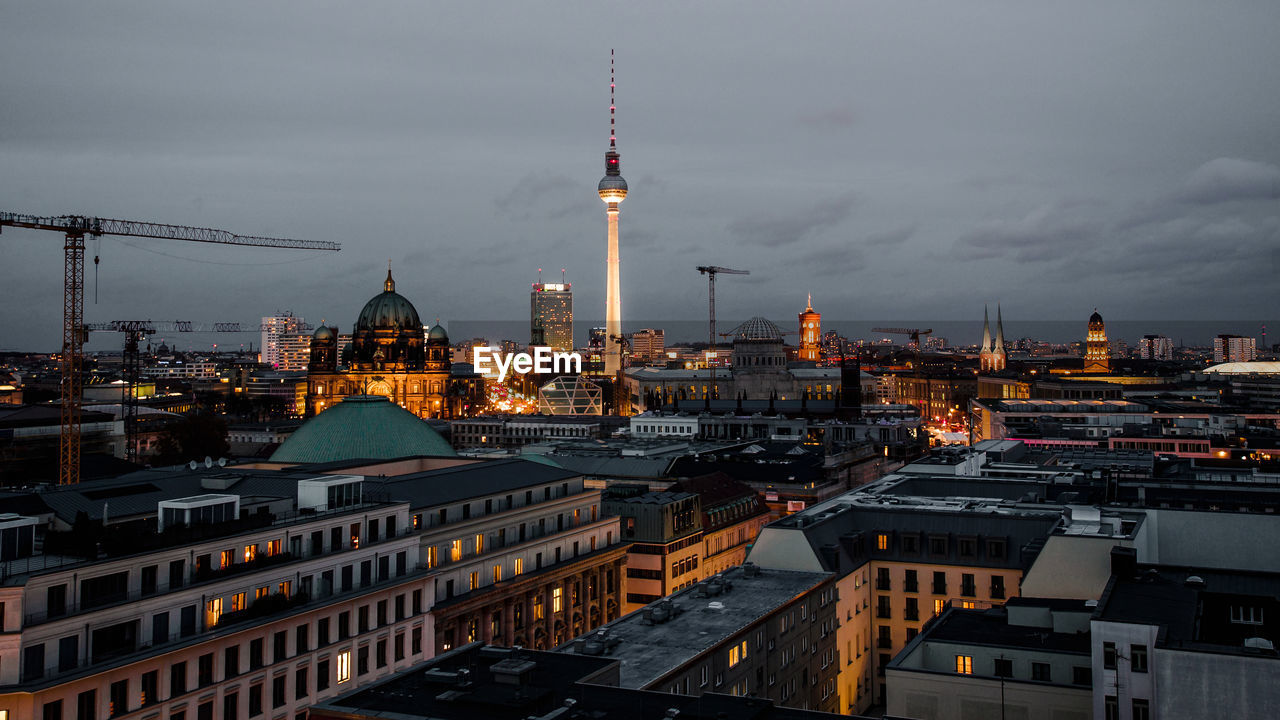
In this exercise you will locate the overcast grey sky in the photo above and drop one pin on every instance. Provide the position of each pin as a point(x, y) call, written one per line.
point(897, 159)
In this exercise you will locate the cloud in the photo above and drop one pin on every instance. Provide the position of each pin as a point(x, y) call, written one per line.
point(545, 196)
point(896, 236)
point(1231, 179)
point(1050, 232)
point(830, 117)
point(792, 227)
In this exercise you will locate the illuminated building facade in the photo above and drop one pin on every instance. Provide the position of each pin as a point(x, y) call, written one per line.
point(612, 190)
point(1234, 348)
point(1097, 353)
point(992, 356)
point(391, 355)
point(810, 333)
point(648, 347)
point(1155, 347)
point(293, 352)
point(551, 306)
point(273, 329)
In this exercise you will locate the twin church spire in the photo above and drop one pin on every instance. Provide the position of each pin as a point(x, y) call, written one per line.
point(992, 356)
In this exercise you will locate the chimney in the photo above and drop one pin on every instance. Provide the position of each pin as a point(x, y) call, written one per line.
point(1124, 561)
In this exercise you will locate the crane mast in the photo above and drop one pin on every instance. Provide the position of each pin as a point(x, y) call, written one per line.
point(71, 361)
point(711, 271)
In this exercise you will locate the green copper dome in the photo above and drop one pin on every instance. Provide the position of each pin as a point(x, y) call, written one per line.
point(389, 310)
point(362, 427)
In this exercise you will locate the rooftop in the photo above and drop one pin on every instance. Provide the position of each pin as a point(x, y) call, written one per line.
point(992, 628)
point(474, 682)
point(1196, 609)
point(649, 650)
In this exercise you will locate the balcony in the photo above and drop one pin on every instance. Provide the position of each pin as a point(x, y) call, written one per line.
point(968, 590)
point(997, 592)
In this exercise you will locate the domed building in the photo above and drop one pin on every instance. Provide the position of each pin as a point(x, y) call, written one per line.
point(391, 356)
point(1097, 352)
point(362, 427)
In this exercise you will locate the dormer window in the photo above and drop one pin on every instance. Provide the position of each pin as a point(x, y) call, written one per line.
point(1246, 614)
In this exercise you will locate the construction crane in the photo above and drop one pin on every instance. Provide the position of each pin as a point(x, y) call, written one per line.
point(711, 271)
point(131, 359)
point(74, 228)
point(913, 332)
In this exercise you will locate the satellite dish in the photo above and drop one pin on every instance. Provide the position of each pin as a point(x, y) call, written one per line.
point(192, 464)
point(222, 462)
point(208, 461)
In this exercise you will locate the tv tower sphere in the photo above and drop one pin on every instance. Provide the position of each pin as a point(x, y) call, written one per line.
point(613, 188)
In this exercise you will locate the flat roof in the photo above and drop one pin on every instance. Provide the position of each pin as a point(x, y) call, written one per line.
point(991, 628)
point(649, 651)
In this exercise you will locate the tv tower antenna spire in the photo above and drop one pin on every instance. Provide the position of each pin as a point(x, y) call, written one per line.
point(612, 190)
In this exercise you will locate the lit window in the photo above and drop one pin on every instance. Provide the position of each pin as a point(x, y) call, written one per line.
point(939, 606)
point(285, 587)
point(261, 592)
point(431, 557)
point(212, 612)
point(474, 581)
point(519, 566)
point(455, 551)
point(228, 558)
point(557, 600)
point(537, 608)
point(479, 543)
point(882, 541)
point(497, 573)
point(967, 604)
point(237, 602)
point(344, 666)
point(273, 547)
point(737, 653)
point(964, 664)
point(250, 553)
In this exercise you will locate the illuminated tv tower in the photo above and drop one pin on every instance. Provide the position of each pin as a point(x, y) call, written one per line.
point(613, 190)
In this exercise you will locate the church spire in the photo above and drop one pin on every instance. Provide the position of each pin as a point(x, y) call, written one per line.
point(999, 347)
point(986, 331)
point(389, 285)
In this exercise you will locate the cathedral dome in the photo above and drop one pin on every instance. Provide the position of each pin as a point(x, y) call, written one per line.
point(1095, 318)
point(362, 427)
point(323, 333)
point(437, 335)
point(388, 310)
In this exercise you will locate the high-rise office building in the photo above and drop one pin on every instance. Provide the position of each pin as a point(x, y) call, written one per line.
point(1234, 348)
point(612, 190)
point(273, 328)
point(552, 305)
point(1155, 347)
point(1097, 353)
point(293, 352)
point(810, 333)
point(648, 346)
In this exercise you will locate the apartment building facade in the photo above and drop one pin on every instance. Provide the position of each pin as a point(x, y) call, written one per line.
point(239, 620)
